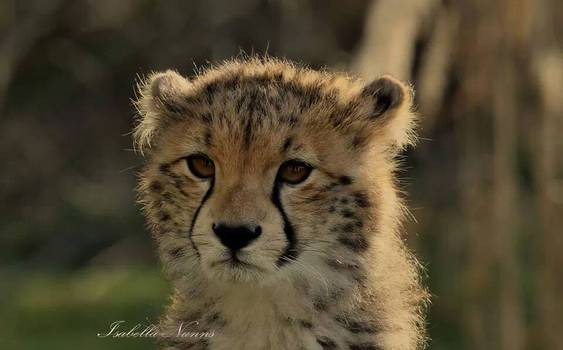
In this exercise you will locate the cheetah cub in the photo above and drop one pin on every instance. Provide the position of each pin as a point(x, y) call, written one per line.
point(270, 192)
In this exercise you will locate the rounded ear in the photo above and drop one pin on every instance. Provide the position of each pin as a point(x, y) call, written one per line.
point(168, 85)
point(386, 94)
point(389, 110)
point(160, 99)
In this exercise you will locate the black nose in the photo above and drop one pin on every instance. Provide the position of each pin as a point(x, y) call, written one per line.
point(236, 237)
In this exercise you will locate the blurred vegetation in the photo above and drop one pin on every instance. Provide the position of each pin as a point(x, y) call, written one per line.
point(54, 310)
point(485, 182)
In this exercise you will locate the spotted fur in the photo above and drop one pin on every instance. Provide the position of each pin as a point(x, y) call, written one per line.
point(329, 270)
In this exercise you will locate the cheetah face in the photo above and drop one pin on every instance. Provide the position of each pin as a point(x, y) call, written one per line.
point(257, 171)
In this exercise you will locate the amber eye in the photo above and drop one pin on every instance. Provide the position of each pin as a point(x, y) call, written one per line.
point(201, 166)
point(294, 171)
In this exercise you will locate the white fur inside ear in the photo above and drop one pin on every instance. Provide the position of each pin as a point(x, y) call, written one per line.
point(402, 127)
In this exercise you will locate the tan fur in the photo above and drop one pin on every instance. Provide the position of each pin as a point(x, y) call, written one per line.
point(350, 283)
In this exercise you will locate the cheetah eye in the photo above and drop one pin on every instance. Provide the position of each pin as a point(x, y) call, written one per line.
point(294, 171)
point(201, 166)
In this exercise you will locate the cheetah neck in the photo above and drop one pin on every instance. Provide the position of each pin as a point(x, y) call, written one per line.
point(279, 315)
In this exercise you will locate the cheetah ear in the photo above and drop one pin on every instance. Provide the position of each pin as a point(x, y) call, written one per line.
point(389, 111)
point(160, 99)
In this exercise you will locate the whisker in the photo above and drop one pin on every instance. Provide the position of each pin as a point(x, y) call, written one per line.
point(129, 168)
point(315, 272)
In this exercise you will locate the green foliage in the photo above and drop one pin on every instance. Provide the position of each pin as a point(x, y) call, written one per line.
point(66, 310)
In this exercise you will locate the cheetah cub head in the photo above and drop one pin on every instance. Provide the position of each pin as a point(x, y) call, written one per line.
point(260, 171)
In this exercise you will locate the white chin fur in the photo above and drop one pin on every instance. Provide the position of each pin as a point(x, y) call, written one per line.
point(246, 270)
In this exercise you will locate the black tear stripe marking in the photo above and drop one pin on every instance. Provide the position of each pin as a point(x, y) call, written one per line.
point(291, 249)
point(204, 199)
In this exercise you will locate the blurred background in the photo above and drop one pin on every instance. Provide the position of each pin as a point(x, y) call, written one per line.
point(485, 183)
